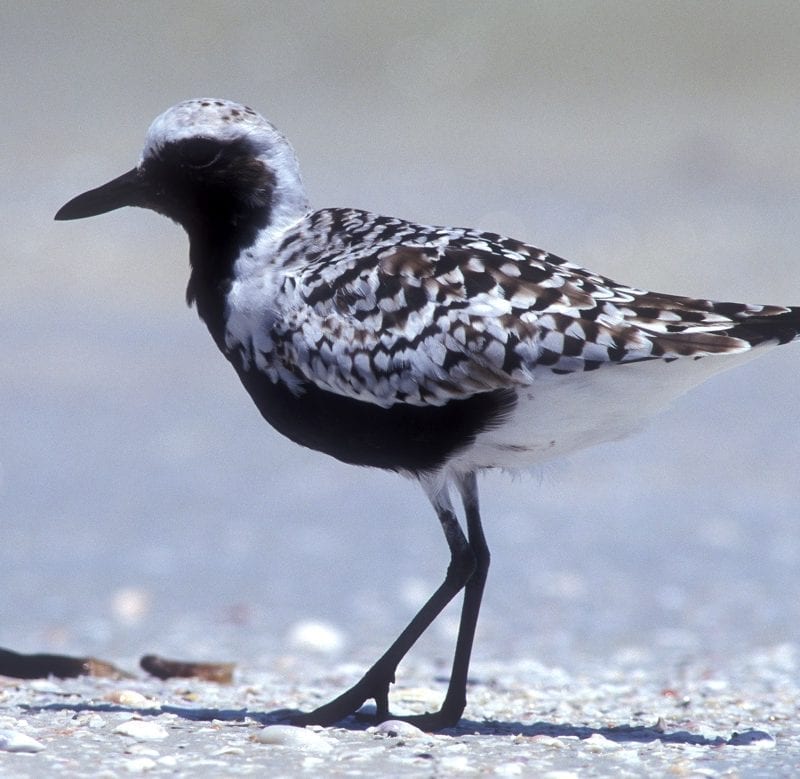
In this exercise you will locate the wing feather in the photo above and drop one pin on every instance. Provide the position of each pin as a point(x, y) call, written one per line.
point(439, 314)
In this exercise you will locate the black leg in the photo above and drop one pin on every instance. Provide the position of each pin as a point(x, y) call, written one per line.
point(375, 682)
point(456, 698)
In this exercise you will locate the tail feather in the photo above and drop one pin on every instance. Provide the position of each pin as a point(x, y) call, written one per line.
point(684, 326)
point(780, 328)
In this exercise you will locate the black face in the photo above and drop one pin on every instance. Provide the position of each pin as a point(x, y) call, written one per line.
point(206, 185)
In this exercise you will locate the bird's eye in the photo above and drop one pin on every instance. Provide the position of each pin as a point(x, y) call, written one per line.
point(200, 152)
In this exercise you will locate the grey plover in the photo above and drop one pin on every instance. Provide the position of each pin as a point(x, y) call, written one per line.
point(436, 352)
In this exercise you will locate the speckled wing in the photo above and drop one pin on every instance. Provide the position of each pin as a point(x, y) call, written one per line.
point(445, 314)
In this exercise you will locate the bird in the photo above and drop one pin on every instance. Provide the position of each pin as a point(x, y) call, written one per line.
point(434, 352)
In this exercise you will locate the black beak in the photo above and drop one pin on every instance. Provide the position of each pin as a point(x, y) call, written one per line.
point(126, 190)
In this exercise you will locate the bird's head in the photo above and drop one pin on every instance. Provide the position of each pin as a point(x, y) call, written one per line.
point(211, 165)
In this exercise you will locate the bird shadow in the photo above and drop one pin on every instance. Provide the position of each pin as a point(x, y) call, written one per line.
point(620, 733)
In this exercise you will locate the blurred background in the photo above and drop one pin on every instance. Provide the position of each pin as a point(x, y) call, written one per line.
point(144, 504)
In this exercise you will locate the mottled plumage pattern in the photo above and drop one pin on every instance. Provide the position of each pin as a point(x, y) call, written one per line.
point(434, 351)
point(393, 312)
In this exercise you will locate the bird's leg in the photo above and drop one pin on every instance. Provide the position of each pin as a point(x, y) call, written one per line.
point(375, 682)
point(456, 698)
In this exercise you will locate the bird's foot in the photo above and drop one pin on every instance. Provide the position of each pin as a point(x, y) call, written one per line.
point(370, 686)
point(431, 721)
point(349, 704)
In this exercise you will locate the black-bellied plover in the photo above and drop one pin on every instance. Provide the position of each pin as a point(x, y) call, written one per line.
point(436, 352)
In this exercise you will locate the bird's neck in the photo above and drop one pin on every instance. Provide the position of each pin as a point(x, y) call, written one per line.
point(212, 260)
point(219, 253)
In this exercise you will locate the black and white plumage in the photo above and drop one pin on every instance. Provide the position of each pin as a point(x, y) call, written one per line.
point(433, 351)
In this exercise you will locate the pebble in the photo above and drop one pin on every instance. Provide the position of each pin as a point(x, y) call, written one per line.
point(549, 741)
point(14, 741)
point(599, 743)
point(509, 769)
point(131, 698)
point(455, 763)
point(394, 727)
point(316, 636)
point(141, 730)
point(291, 736)
point(142, 750)
point(46, 686)
point(138, 765)
point(228, 750)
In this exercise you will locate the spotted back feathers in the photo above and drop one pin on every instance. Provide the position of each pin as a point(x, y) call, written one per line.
point(389, 311)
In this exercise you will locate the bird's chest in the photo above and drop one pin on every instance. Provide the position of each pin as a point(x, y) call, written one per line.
point(257, 329)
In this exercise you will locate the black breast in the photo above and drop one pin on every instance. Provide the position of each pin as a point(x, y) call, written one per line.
point(401, 437)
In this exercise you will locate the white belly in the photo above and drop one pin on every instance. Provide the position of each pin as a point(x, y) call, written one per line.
point(559, 414)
